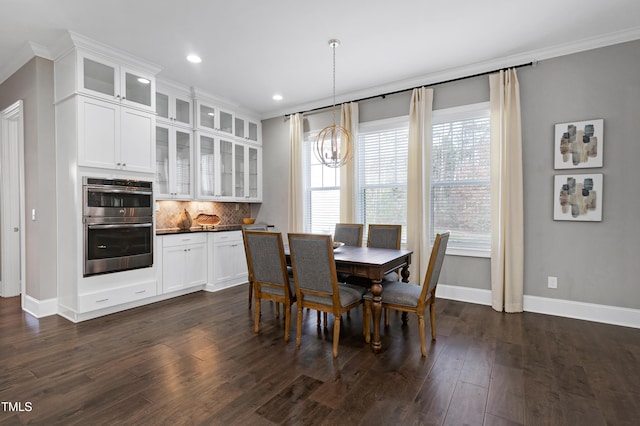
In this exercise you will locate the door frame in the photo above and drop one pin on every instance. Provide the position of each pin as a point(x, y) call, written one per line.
point(12, 152)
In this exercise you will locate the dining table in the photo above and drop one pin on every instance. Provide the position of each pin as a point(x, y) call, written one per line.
point(373, 264)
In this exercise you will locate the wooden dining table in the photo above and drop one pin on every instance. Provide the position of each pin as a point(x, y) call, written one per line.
point(373, 264)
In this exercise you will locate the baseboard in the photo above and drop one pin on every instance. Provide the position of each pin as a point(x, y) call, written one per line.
point(615, 315)
point(39, 308)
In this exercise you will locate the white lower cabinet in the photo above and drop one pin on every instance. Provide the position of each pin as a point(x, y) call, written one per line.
point(228, 266)
point(184, 261)
point(116, 296)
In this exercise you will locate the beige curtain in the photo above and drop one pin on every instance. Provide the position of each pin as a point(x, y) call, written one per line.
point(296, 195)
point(419, 182)
point(507, 215)
point(349, 120)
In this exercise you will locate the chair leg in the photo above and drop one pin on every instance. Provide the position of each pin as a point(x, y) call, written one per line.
point(386, 317)
point(366, 321)
point(256, 317)
point(299, 327)
point(277, 310)
point(336, 334)
point(326, 320)
point(287, 321)
point(432, 317)
point(319, 320)
point(423, 343)
point(250, 293)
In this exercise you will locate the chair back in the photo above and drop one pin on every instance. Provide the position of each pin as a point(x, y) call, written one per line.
point(266, 261)
point(314, 267)
point(349, 233)
point(384, 236)
point(435, 265)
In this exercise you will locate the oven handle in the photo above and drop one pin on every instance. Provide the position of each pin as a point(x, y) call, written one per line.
point(118, 191)
point(119, 225)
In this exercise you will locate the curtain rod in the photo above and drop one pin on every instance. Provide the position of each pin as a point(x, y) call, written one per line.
point(383, 95)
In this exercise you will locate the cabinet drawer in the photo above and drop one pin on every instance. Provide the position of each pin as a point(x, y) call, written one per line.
point(228, 236)
point(184, 239)
point(117, 296)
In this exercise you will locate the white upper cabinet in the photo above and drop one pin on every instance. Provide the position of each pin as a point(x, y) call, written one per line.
point(106, 79)
point(112, 137)
point(174, 162)
point(174, 105)
point(211, 117)
point(89, 68)
point(248, 129)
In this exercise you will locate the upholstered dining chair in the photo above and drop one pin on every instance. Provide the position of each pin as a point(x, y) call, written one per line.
point(411, 298)
point(252, 227)
point(316, 282)
point(268, 273)
point(384, 236)
point(349, 233)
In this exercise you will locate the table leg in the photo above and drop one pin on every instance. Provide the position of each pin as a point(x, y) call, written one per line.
point(376, 308)
point(405, 273)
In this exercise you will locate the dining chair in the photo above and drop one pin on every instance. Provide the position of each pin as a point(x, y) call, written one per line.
point(268, 273)
point(411, 298)
point(316, 282)
point(349, 233)
point(385, 236)
point(252, 227)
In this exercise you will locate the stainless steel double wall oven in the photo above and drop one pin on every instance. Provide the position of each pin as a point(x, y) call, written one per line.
point(118, 225)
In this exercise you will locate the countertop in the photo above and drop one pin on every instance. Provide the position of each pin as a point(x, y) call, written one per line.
point(217, 228)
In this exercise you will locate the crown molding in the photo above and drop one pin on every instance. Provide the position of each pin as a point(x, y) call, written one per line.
point(534, 56)
point(24, 55)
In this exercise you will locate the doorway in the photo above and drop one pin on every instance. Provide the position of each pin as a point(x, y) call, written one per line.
point(12, 222)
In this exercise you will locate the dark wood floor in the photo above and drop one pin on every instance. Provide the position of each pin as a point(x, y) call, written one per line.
point(195, 360)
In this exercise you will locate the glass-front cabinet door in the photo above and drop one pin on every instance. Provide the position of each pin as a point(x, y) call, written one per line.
point(226, 168)
point(240, 177)
point(174, 163)
point(174, 106)
point(253, 170)
point(99, 77)
point(161, 186)
point(108, 80)
point(138, 89)
point(183, 169)
point(206, 117)
point(208, 158)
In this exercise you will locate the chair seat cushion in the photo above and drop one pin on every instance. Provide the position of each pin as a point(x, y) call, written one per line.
point(360, 289)
point(398, 293)
point(348, 296)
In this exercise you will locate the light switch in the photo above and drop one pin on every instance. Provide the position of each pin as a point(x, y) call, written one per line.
point(33, 215)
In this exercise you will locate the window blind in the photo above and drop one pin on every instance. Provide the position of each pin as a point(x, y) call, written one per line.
point(382, 175)
point(322, 192)
point(460, 177)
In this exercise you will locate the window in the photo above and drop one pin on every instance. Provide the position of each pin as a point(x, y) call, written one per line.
point(322, 191)
point(460, 178)
point(382, 156)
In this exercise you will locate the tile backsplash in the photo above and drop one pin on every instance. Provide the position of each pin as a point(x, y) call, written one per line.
point(169, 213)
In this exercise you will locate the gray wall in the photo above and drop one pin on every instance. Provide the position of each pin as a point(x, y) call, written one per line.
point(594, 262)
point(33, 83)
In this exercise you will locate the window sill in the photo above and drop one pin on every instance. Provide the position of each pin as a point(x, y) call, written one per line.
point(468, 252)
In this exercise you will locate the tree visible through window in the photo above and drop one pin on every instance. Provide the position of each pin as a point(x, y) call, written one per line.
point(460, 176)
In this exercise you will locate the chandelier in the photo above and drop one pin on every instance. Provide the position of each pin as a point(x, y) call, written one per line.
point(332, 146)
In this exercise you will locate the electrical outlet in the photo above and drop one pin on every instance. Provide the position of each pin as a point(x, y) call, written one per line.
point(552, 282)
point(237, 207)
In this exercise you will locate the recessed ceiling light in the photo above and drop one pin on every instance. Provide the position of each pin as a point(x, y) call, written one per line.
point(277, 97)
point(195, 59)
point(143, 80)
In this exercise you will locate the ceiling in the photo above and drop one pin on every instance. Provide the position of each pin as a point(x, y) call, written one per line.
point(252, 49)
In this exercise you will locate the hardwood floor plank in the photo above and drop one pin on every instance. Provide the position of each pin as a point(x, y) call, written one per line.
point(195, 360)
